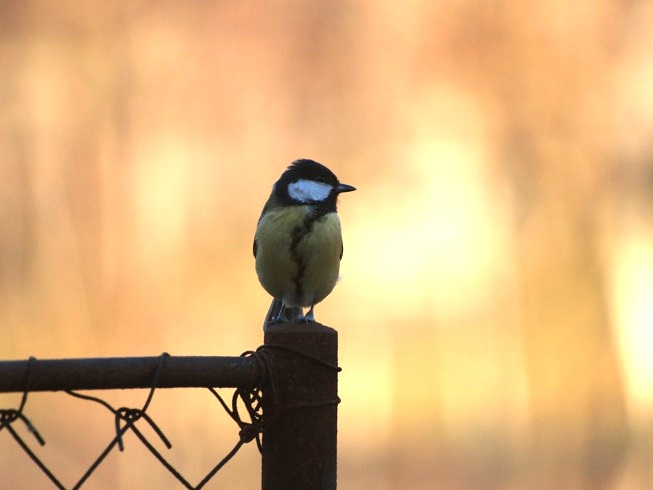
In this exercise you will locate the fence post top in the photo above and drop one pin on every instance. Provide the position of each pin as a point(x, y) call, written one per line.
point(300, 326)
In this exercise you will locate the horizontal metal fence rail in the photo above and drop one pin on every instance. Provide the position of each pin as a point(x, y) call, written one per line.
point(127, 372)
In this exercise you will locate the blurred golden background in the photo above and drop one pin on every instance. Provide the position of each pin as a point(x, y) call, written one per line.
point(496, 308)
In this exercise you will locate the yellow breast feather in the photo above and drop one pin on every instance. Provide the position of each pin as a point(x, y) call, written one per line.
point(299, 266)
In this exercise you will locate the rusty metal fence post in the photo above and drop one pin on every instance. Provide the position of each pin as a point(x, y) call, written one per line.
point(299, 448)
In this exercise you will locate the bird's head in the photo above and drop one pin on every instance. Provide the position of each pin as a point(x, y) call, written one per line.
point(308, 182)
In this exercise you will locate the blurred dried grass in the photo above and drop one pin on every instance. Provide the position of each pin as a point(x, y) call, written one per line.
point(495, 314)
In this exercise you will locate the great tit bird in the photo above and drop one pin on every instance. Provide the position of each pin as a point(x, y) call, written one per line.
point(298, 243)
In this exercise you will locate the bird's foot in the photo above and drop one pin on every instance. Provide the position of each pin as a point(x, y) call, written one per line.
point(275, 321)
point(280, 314)
point(309, 317)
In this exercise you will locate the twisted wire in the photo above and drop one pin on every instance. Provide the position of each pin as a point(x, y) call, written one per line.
point(9, 416)
point(130, 416)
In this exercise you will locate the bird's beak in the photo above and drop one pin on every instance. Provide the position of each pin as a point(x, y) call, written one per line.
point(345, 188)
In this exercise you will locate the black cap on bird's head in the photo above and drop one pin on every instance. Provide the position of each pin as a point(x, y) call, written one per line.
point(308, 182)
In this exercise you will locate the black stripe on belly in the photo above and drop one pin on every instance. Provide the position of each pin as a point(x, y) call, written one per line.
point(298, 232)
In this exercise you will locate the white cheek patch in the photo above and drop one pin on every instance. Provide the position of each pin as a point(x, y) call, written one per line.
point(309, 191)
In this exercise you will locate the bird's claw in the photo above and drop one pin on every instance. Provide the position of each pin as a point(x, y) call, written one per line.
point(309, 317)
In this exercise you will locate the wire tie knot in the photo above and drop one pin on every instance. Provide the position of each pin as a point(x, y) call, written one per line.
point(248, 433)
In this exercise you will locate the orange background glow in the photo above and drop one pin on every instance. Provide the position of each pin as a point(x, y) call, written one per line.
point(495, 314)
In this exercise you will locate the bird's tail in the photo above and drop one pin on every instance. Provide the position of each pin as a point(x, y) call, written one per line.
point(289, 314)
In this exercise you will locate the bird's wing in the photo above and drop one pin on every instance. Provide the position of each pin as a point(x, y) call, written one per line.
point(270, 203)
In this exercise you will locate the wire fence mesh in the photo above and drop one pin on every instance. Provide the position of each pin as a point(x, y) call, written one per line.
point(256, 405)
